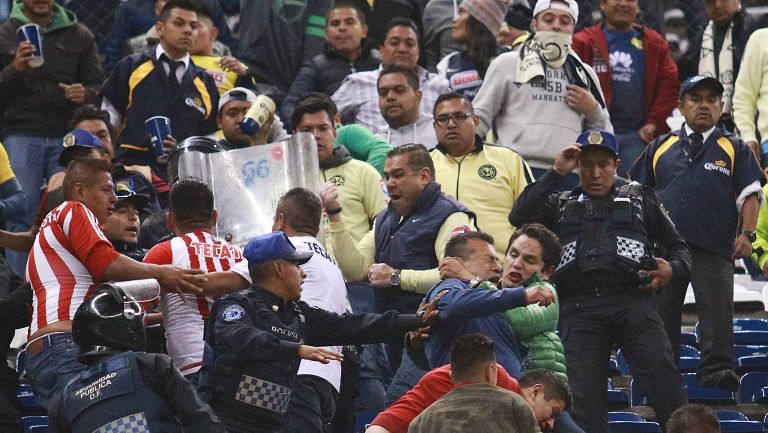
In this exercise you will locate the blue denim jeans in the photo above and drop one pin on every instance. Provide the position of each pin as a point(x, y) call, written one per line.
point(52, 367)
point(630, 147)
point(406, 377)
point(34, 159)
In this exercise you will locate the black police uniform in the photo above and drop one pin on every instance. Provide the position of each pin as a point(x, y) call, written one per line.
point(605, 240)
point(131, 392)
point(251, 355)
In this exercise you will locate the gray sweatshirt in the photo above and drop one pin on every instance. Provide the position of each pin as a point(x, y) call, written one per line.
point(532, 118)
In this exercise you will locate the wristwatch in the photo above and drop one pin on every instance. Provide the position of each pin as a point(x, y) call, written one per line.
point(750, 235)
point(394, 279)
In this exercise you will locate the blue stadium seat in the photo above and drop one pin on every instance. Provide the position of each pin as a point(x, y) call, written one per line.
point(31, 421)
point(362, 419)
point(634, 427)
point(617, 399)
point(752, 363)
point(751, 384)
point(689, 359)
point(697, 394)
point(750, 325)
point(613, 368)
point(623, 364)
point(624, 416)
point(689, 351)
point(38, 429)
point(21, 361)
point(688, 339)
point(731, 415)
point(638, 397)
point(742, 350)
point(742, 427)
point(26, 397)
point(750, 337)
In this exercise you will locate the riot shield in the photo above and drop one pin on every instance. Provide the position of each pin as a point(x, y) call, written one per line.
point(247, 183)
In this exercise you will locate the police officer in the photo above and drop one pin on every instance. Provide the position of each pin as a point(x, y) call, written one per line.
point(607, 276)
point(123, 389)
point(256, 339)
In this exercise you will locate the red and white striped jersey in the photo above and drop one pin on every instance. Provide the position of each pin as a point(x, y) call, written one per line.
point(185, 321)
point(66, 262)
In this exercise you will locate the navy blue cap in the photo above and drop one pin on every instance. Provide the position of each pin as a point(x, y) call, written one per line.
point(598, 139)
point(77, 138)
point(126, 194)
point(273, 246)
point(699, 81)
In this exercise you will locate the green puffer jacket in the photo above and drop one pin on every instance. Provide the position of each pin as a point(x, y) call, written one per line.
point(535, 326)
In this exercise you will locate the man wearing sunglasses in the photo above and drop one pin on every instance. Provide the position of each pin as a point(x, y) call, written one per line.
point(486, 178)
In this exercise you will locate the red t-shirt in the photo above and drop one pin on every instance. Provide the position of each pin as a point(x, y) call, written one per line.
point(430, 388)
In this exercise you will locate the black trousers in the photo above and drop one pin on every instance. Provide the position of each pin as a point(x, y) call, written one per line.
point(312, 405)
point(712, 282)
point(591, 323)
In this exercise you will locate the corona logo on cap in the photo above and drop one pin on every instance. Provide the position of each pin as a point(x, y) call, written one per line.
point(123, 187)
point(595, 137)
point(70, 140)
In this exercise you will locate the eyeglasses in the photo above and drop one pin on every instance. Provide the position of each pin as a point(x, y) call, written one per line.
point(443, 119)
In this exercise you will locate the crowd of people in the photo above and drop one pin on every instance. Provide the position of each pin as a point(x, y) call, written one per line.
point(503, 202)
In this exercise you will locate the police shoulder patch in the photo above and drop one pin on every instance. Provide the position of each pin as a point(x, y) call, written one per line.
point(233, 312)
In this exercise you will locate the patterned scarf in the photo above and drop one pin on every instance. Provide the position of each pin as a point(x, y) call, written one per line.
point(724, 69)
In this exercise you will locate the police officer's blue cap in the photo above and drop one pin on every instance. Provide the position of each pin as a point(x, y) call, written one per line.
point(273, 246)
point(701, 81)
point(77, 138)
point(598, 139)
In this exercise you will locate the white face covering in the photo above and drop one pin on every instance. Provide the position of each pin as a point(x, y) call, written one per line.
point(553, 47)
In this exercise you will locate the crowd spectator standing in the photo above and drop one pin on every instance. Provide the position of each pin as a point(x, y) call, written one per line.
point(347, 50)
point(69, 257)
point(516, 27)
point(476, 27)
point(750, 100)
point(718, 49)
point(162, 81)
point(486, 178)
point(438, 23)
point(357, 98)
point(400, 105)
point(69, 77)
point(544, 95)
point(602, 302)
point(705, 171)
point(637, 75)
point(277, 37)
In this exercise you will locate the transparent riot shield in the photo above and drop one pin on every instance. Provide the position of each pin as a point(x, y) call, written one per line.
point(247, 183)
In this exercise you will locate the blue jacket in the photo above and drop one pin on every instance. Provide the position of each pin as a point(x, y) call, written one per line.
point(464, 310)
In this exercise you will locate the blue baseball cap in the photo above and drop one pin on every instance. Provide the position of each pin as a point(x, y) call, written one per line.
point(598, 139)
point(126, 194)
point(701, 81)
point(273, 246)
point(77, 138)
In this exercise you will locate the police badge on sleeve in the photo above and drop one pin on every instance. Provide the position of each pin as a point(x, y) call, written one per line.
point(233, 312)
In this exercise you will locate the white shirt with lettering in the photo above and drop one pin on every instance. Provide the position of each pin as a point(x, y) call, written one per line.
point(324, 287)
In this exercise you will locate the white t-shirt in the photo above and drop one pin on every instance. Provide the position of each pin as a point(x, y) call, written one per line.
point(324, 287)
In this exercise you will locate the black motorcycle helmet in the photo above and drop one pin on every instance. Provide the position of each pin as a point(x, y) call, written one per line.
point(191, 144)
point(110, 320)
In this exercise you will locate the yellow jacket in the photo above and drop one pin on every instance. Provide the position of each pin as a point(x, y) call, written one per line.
point(488, 181)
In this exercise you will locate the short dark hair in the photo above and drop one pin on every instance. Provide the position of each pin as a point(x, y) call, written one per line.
point(191, 203)
point(92, 112)
point(418, 156)
point(402, 22)
point(458, 245)
point(313, 102)
point(550, 243)
point(83, 171)
point(410, 75)
point(469, 354)
point(345, 4)
point(203, 11)
point(80, 152)
point(449, 96)
point(693, 418)
point(302, 210)
point(555, 388)
point(187, 5)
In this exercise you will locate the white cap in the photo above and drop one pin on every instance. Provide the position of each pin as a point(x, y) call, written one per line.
point(236, 94)
point(569, 6)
